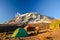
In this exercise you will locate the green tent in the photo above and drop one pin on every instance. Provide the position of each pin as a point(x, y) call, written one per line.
point(19, 32)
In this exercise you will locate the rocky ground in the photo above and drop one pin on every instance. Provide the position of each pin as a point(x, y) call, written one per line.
point(42, 35)
point(46, 35)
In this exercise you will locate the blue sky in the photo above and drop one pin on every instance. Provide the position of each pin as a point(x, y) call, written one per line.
point(9, 8)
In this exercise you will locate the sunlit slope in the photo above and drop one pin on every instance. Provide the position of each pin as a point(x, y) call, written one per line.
point(55, 24)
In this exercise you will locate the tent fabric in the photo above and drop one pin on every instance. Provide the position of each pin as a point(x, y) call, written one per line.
point(20, 32)
point(15, 32)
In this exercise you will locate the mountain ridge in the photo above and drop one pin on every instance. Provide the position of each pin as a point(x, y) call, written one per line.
point(29, 17)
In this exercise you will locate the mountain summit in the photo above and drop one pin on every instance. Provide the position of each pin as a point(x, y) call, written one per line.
point(31, 17)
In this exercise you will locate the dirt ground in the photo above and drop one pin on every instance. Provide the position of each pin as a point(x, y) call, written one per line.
point(48, 35)
point(42, 35)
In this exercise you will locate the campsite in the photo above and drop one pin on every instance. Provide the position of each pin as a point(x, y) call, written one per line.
point(34, 32)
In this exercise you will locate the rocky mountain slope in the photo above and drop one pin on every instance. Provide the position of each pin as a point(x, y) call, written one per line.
point(31, 17)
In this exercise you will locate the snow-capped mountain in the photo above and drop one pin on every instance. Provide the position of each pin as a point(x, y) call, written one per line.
point(31, 17)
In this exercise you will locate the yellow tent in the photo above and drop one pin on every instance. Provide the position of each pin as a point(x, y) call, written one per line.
point(55, 24)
